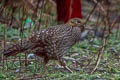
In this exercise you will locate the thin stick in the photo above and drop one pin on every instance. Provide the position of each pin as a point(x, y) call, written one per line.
point(100, 52)
point(90, 13)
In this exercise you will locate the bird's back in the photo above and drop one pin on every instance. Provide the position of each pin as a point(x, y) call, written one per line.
point(57, 40)
point(52, 42)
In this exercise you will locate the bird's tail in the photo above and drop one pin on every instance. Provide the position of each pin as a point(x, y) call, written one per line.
point(16, 48)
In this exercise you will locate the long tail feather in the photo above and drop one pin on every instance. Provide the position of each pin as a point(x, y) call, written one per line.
point(16, 48)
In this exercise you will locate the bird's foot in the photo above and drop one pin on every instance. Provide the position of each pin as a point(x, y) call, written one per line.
point(62, 63)
point(39, 75)
point(66, 67)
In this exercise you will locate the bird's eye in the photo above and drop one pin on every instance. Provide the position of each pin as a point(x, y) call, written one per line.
point(78, 21)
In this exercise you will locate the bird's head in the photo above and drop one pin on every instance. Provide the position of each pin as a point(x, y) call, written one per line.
point(74, 22)
point(77, 23)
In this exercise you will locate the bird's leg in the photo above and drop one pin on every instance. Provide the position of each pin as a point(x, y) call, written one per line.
point(44, 65)
point(63, 63)
point(45, 61)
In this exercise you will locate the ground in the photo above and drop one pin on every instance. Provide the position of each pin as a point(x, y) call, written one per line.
point(81, 58)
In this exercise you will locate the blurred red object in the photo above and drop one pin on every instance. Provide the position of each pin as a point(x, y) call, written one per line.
point(67, 9)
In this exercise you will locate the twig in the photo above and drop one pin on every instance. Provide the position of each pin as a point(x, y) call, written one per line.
point(36, 10)
point(100, 52)
point(4, 45)
point(90, 13)
point(105, 40)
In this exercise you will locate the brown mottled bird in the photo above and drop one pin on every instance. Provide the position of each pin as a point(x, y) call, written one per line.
point(51, 43)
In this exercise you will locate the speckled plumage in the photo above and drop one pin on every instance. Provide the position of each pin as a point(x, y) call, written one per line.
point(56, 41)
point(52, 43)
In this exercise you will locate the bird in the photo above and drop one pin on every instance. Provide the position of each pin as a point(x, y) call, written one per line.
point(52, 43)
